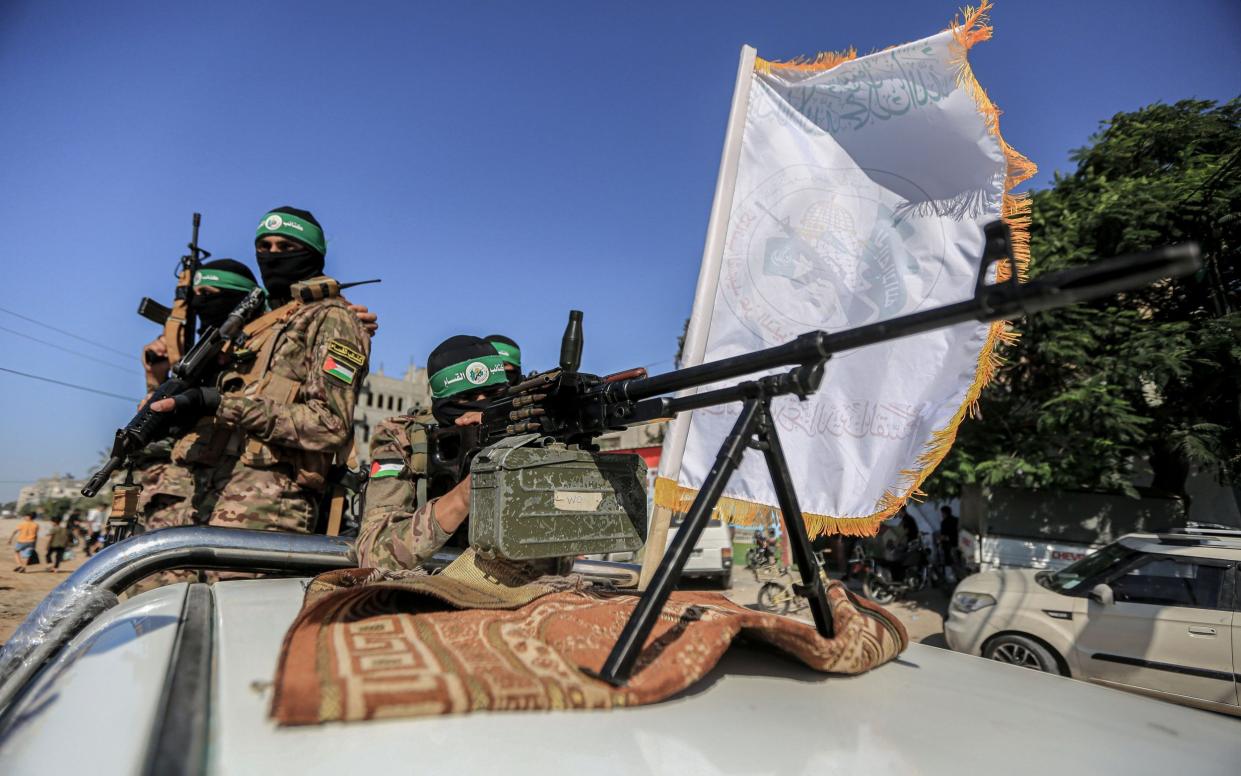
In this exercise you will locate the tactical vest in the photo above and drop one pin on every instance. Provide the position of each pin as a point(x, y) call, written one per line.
point(416, 431)
point(253, 374)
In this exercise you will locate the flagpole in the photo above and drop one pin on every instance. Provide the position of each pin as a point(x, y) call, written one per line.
point(695, 345)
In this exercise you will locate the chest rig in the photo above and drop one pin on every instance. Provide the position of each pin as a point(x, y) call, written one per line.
point(272, 364)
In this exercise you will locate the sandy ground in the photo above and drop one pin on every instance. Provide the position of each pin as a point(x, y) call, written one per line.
point(922, 615)
point(19, 593)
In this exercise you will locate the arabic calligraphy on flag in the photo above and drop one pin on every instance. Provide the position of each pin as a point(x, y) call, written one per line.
point(862, 186)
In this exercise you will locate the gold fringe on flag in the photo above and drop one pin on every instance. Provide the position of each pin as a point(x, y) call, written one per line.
point(971, 27)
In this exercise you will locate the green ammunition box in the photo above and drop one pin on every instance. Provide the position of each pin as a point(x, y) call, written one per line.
point(531, 498)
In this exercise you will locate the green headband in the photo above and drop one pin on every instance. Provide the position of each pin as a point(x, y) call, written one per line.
point(477, 373)
point(220, 278)
point(510, 353)
point(288, 225)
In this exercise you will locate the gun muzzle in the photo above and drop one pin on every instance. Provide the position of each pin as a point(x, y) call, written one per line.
point(100, 478)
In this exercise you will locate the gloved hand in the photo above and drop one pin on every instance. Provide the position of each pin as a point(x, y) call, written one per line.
point(194, 403)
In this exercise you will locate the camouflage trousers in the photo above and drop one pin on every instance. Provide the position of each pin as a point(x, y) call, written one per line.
point(231, 495)
point(228, 495)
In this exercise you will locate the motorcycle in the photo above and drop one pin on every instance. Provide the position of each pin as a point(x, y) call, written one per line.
point(763, 553)
point(879, 578)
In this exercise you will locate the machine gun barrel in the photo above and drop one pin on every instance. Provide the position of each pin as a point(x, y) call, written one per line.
point(1007, 299)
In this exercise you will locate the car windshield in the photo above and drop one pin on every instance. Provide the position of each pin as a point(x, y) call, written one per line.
point(1075, 573)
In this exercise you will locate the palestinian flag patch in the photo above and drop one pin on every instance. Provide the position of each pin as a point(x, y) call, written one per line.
point(387, 468)
point(339, 370)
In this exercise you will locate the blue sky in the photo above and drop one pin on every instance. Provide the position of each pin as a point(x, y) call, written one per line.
point(495, 163)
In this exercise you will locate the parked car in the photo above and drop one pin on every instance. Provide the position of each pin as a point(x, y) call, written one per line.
point(1150, 613)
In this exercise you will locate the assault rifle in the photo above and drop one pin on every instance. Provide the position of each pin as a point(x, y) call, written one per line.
point(194, 368)
point(179, 320)
point(574, 408)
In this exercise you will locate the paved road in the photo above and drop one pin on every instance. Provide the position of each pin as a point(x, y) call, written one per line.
point(922, 615)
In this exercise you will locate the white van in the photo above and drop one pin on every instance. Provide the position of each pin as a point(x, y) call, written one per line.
point(713, 554)
point(712, 557)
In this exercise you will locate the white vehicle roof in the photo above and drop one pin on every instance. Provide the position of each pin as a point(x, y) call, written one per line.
point(931, 711)
point(1220, 547)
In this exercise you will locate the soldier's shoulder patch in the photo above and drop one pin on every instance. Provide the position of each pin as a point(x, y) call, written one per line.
point(386, 467)
point(343, 361)
point(342, 351)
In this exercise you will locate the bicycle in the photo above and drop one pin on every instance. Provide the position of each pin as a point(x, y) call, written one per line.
point(777, 596)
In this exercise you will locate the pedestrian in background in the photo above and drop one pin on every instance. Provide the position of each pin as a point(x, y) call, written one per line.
point(57, 543)
point(25, 536)
point(94, 535)
point(949, 535)
point(76, 527)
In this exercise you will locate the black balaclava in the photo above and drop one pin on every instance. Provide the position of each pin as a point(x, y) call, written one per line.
point(453, 391)
point(233, 281)
point(282, 270)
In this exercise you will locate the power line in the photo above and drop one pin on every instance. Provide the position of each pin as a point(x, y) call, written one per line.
point(67, 333)
point(657, 363)
point(69, 385)
point(66, 350)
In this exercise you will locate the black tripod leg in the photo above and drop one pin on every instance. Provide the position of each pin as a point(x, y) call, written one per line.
point(620, 662)
point(786, 495)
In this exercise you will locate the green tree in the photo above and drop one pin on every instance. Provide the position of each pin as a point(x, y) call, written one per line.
point(1090, 392)
point(56, 507)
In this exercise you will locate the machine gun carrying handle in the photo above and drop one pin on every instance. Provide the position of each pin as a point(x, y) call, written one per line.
point(636, 373)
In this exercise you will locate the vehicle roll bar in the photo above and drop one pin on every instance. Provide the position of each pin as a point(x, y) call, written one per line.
point(94, 587)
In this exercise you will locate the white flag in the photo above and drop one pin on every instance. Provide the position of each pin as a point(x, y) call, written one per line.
point(861, 188)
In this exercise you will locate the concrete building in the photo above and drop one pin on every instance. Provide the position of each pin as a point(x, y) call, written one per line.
point(56, 486)
point(645, 440)
point(382, 397)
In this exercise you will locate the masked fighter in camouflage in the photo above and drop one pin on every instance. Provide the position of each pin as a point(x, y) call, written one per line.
point(167, 487)
point(281, 412)
point(401, 527)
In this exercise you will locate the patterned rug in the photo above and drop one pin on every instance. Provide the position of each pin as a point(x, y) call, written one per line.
point(369, 644)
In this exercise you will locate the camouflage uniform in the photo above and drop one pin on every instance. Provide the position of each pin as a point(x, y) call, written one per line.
point(166, 488)
point(285, 415)
point(399, 529)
